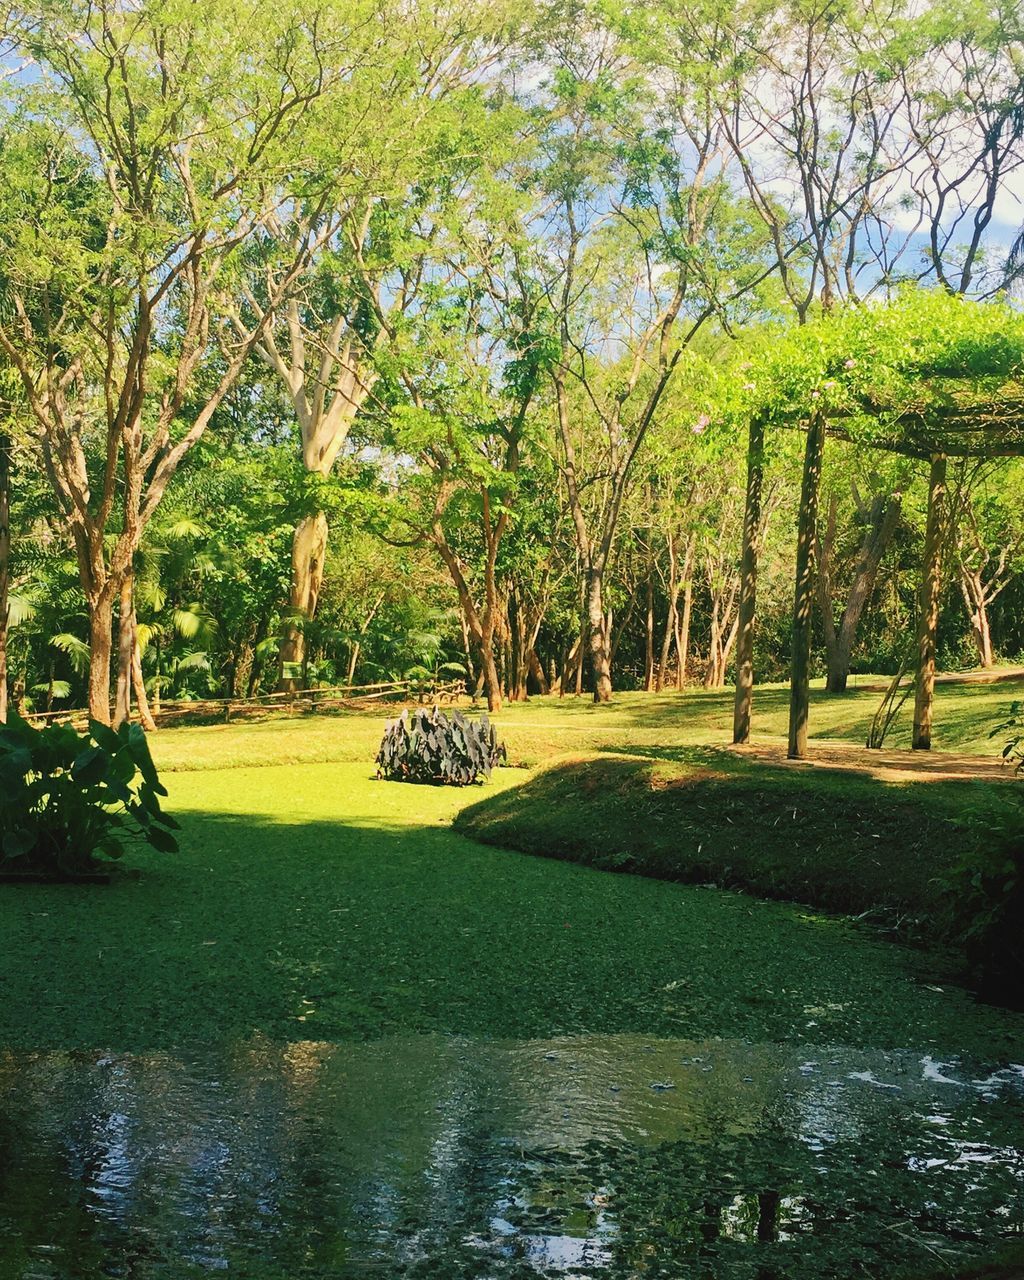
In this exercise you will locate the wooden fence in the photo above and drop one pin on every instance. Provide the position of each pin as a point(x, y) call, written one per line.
point(326, 698)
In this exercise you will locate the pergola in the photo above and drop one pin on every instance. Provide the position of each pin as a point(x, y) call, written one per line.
point(959, 414)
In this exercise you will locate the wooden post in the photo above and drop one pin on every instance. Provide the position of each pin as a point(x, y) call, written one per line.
point(803, 598)
point(748, 583)
point(928, 604)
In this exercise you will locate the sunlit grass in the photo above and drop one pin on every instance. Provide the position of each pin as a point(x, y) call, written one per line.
point(544, 728)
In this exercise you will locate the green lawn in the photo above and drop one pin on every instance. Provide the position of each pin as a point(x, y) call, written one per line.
point(542, 728)
point(311, 900)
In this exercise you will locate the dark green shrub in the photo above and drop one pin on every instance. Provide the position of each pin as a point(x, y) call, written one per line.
point(985, 893)
point(1013, 728)
point(434, 747)
point(67, 797)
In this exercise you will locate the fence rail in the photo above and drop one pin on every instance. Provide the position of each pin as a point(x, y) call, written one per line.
point(325, 698)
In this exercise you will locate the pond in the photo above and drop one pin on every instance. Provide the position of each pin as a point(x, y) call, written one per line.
point(441, 1156)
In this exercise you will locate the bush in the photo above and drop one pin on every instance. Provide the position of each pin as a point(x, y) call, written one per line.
point(437, 748)
point(66, 797)
point(985, 893)
point(1013, 727)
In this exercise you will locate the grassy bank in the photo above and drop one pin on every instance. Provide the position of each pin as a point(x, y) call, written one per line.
point(835, 840)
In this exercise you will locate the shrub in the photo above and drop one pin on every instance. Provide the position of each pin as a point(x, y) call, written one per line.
point(437, 748)
point(1013, 726)
point(985, 893)
point(66, 797)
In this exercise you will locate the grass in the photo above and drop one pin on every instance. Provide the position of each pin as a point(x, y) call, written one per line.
point(641, 786)
point(839, 841)
point(544, 728)
point(310, 900)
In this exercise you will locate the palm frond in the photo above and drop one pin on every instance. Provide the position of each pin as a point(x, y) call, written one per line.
point(77, 650)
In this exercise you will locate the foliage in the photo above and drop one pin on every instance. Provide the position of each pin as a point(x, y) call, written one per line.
point(985, 893)
point(66, 797)
point(1013, 749)
point(437, 748)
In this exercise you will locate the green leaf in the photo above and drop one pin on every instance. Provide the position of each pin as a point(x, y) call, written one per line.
point(104, 736)
point(90, 766)
point(18, 842)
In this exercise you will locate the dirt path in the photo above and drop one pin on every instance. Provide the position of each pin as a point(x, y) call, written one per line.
point(994, 676)
point(886, 765)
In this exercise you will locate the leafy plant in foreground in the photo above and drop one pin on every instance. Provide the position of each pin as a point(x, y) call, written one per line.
point(66, 797)
point(430, 746)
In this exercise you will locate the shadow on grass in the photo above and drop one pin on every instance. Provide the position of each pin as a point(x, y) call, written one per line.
point(334, 931)
point(833, 839)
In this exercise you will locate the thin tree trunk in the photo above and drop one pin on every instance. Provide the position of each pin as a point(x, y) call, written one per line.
point(125, 653)
point(649, 638)
point(803, 597)
point(673, 613)
point(882, 521)
point(570, 665)
point(748, 584)
point(5, 564)
point(984, 636)
point(101, 645)
point(928, 606)
point(139, 684)
point(683, 631)
point(309, 547)
point(600, 658)
point(976, 599)
point(537, 671)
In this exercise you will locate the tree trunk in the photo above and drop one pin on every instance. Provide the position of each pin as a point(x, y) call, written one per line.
point(881, 524)
point(983, 636)
point(309, 547)
point(600, 658)
point(101, 644)
point(748, 584)
point(671, 620)
point(928, 605)
point(537, 672)
point(5, 564)
point(976, 598)
point(125, 654)
point(139, 684)
point(683, 629)
point(803, 596)
point(649, 639)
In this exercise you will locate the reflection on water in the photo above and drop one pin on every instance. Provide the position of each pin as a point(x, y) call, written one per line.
point(594, 1156)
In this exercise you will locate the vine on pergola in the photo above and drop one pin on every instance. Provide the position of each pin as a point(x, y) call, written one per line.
point(928, 375)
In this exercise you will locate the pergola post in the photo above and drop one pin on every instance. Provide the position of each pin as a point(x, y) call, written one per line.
point(928, 604)
point(803, 600)
point(748, 582)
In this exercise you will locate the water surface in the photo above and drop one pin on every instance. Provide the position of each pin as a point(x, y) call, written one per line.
point(606, 1156)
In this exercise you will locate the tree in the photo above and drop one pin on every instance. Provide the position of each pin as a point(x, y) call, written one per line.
point(154, 141)
point(429, 133)
point(877, 521)
point(987, 541)
point(640, 244)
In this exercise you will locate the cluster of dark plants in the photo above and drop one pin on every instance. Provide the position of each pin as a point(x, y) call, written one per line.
point(434, 747)
point(70, 800)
